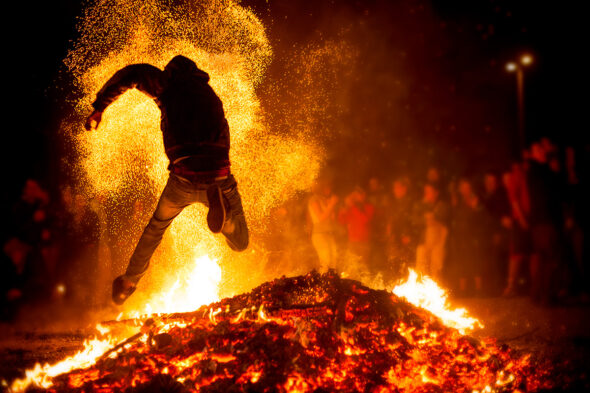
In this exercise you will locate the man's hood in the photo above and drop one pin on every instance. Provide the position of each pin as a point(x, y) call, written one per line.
point(181, 65)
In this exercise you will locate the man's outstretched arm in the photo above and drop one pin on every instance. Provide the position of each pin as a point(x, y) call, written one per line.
point(144, 77)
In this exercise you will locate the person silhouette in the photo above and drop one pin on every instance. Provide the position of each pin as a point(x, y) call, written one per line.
point(196, 141)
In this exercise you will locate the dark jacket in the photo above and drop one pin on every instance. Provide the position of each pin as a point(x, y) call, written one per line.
point(545, 191)
point(193, 122)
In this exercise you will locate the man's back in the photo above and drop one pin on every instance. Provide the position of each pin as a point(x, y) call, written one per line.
point(193, 121)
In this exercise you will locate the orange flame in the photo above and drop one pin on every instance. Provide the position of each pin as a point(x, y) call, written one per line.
point(425, 293)
point(42, 375)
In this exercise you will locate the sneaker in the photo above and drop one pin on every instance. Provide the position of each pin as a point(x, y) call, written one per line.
point(122, 289)
point(216, 214)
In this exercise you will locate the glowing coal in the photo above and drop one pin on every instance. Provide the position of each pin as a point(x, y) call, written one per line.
point(304, 334)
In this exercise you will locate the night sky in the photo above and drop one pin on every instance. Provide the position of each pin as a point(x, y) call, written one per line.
point(448, 55)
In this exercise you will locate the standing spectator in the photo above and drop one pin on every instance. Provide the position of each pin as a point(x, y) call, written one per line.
point(497, 212)
point(15, 277)
point(401, 229)
point(574, 225)
point(468, 238)
point(377, 196)
point(357, 216)
point(433, 177)
point(517, 226)
point(569, 232)
point(545, 219)
point(30, 214)
point(322, 210)
point(431, 219)
point(33, 223)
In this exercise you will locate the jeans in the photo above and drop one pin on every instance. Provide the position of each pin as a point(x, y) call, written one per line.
point(178, 194)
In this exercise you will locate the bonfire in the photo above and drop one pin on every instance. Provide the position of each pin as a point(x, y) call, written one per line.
point(312, 333)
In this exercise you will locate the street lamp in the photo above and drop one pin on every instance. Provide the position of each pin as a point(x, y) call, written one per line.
point(518, 67)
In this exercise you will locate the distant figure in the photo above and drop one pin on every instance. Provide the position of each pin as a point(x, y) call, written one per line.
point(497, 213)
point(378, 197)
point(468, 231)
point(519, 247)
point(401, 229)
point(358, 215)
point(431, 217)
point(546, 219)
point(197, 142)
point(16, 270)
point(322, 210)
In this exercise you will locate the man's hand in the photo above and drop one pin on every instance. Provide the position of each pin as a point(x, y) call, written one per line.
point(93, 121)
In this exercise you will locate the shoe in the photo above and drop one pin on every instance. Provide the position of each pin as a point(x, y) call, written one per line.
point(216, 214)
point(122, 289)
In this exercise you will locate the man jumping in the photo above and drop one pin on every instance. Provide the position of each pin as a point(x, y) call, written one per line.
point(196, 139)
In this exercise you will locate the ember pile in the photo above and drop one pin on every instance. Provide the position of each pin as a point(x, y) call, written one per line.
point(312, 333)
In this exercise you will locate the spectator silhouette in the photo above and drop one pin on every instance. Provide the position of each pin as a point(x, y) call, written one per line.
point(431, 218)
point(401, 229)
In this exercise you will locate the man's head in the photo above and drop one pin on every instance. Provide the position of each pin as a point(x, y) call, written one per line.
point(433, 175)
point(490, 182)
point(32, 192)
point(374, 184)
point(538, 153)
point(400, 187)
point(464, 188)
point(548, 145)
point(430, 193)
point(182, 66)
point(359, 195)
point(17, 251)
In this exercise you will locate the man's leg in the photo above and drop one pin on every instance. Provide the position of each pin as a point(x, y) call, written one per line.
point(175, 197)
point(235, 228)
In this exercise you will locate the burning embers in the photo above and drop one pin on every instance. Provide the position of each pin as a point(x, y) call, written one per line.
point(313, 333)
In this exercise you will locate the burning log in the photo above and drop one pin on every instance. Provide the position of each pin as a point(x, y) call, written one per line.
point(312, 333)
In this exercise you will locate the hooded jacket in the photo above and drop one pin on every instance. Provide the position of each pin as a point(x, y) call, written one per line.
point(193, 122)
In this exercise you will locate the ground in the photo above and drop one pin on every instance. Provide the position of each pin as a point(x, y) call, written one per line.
point(558, 334)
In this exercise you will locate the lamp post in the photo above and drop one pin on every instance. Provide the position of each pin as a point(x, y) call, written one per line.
point(518, 68)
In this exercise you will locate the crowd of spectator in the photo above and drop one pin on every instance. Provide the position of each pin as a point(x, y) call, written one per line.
point(512, 232)
point(51, 252)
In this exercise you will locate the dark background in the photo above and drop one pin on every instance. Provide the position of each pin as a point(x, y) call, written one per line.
point(431, 84)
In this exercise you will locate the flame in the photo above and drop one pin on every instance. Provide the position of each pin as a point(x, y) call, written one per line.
point(191, 290)
point(42, 375)
point(410, 352)
point(423, 292)
point(102, 329)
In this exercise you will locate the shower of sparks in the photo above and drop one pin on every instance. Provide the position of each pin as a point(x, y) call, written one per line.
point(124, 159)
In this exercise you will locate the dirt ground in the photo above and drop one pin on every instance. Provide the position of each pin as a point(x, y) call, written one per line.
point(558, 335)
